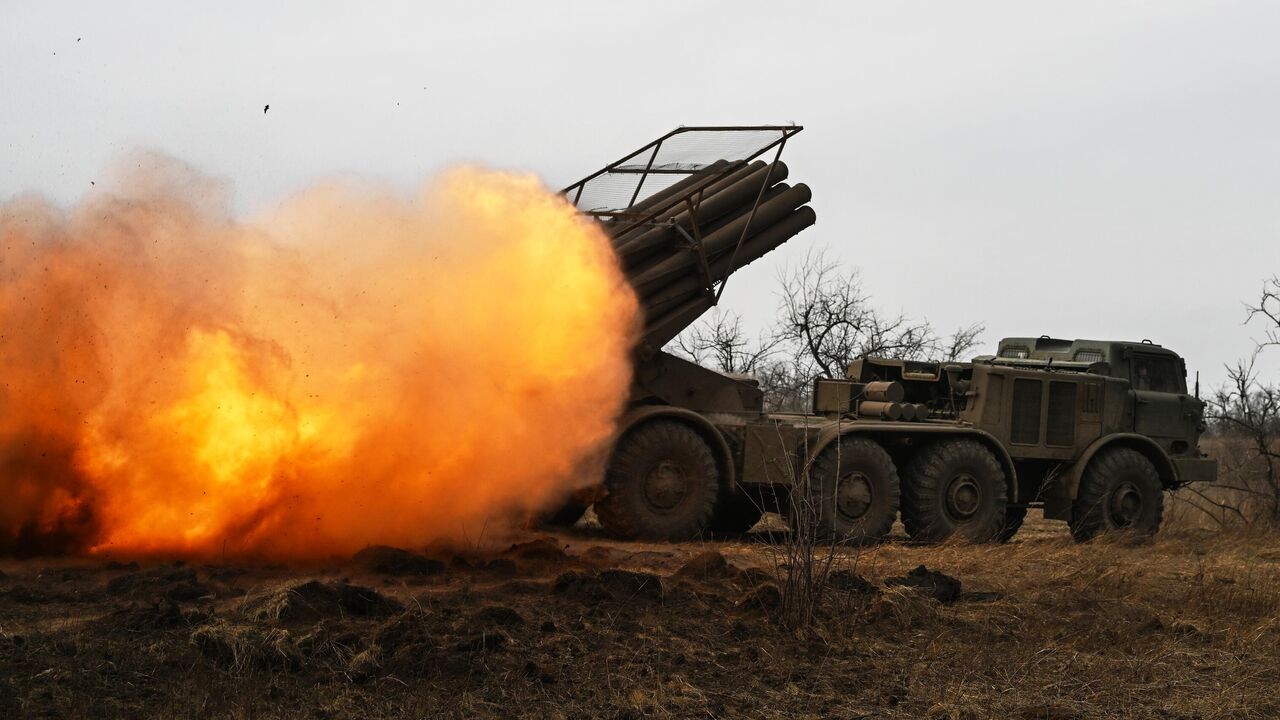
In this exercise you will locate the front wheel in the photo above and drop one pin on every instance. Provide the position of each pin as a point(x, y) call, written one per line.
point(852, 495)
point(662, 483)
point(1013, 517)
point(954, 488)
point(1119, 491)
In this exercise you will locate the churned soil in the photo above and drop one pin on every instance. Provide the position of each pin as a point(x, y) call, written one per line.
point(572, 625)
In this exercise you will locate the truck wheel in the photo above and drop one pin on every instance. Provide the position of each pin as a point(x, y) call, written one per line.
point(736, 512)
point(1120, 490)
point(1013, 517)
point(853, 493)
point(662, 483)
point(954, 487)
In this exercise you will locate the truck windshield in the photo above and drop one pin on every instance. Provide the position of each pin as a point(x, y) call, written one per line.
point(1157, 374)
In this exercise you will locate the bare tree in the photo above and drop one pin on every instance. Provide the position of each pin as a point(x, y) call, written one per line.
point(1268, 311)
point(1245, 419)
point(824, 322)
point(828, 321)
point(720, 341)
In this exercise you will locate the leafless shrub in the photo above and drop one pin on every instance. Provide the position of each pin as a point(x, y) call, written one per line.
point(1245, 422)
point(804, 558)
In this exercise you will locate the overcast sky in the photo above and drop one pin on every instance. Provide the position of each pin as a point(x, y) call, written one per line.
point(1082, 169)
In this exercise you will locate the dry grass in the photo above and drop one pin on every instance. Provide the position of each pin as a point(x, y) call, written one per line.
point(1185, 626)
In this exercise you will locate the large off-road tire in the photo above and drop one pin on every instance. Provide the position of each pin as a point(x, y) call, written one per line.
point(662, 483)
point(1013, 517)
point(1120, 490)
point(852, 494)
point(736, 512)
point(954, 488)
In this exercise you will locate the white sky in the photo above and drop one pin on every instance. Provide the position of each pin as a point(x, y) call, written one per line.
point(1082, 169)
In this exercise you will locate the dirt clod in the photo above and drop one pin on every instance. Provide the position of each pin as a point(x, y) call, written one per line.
point(610, 584)
point(707, 565)
point(543, 549)
point(176, 583)
point(497, 616)
point(313, 600)
point(765, 598)
point(395, 561)
point(942, 587)
point(851, 582)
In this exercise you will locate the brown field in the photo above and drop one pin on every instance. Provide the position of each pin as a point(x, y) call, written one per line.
point(573, 625)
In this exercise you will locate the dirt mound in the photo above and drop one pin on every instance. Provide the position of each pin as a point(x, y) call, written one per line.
point(162, 614)
point(753, 576)
point(601, 556)
point(27, 595)
point(501, 567)
point(851, 582)
point(239, 648)
point(608, 585)
point(171, 582)
point(315, 600)
point(941, 587)
point(766, 598)
point(543, 549)
point(706, 566)
point(407, 645)
point(395, 561)
point(497, 616)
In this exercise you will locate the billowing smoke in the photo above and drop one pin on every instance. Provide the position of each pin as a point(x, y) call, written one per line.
point(357, 367)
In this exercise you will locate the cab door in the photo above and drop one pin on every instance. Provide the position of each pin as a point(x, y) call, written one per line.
point(1162, 409)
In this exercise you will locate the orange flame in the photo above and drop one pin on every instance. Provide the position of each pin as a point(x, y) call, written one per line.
point(356, 368)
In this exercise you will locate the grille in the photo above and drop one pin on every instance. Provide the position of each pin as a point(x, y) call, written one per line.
point(1061, 430)
point(1025, 425)
point(995, 398)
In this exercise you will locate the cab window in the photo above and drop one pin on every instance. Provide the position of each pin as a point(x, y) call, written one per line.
point(1157, 374)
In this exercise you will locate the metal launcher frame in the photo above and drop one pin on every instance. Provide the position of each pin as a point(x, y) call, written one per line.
point(688, 209)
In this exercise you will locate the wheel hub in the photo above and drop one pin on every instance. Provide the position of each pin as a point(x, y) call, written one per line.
point(853, 496)
point(963, 496)
point(1126, 504)
point(665, 486)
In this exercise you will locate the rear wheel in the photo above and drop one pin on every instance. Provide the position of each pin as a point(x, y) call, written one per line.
point(1119, 491)
point(852, 495)
point(954, 488)
point(662, 483)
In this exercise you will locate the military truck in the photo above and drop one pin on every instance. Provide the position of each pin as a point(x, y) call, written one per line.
point(1094, 432)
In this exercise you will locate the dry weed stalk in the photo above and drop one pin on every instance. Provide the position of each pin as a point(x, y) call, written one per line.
point(803, 559)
